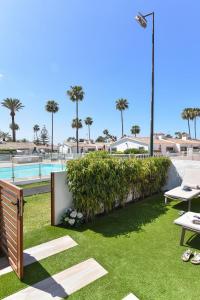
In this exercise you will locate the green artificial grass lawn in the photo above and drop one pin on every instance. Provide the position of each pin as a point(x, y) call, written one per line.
point(34, 184)
point(138, 245)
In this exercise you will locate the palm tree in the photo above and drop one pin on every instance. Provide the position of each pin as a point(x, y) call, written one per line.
point(186, 115)
point(13, 105)
point(88, 122)
point(196, 113)
point(36, 128)
point(122, 104)
point(135, 130)
point(106, 132)
point(77, 123)
point(52, 107)
point(76, 94)
point(14, 127)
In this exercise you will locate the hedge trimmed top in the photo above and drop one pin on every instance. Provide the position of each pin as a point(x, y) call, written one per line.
point(99, 182)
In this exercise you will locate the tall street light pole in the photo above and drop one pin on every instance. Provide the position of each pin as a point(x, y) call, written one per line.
point(141, 19)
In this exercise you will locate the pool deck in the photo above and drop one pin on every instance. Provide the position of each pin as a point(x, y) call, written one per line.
point(37, 190)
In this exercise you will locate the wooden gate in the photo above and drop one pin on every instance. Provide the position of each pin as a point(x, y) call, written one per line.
point(11, 225)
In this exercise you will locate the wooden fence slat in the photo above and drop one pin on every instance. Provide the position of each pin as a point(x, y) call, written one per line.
point(8, 208)
point(9, 232)
point(7, 236)
point(11, 219)
point(8, 225)
point(9, 197)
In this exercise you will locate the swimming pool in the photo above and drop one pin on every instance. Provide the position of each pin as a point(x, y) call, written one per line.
point(29, 171)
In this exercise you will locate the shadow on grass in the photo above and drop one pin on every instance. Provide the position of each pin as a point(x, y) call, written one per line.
point(194, 241)
point(183, 205)
point(131, 218)
point(36, 275)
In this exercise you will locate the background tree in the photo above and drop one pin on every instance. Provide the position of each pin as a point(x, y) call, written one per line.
point(71, 139)
point(121, 105)
point(52, 107)
point(5, 136)
point(24, 140)
point(88, 122)
point(36, 129)
point(113, 138)
point(44, 136)
point(186, 115)
point(178, 135)
point(13, 105)
point(77, 124)
point(135, 129)
point(107, 135)
point(168, 136)
point(76, 94)
point(101, 139)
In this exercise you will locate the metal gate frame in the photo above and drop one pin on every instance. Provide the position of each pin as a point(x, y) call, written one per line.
point(11, 225)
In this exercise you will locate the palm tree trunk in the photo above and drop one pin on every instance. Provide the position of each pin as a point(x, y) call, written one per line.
point(189, 128)
point(77, 147)
point(195, 128)
point(122, 121)
point(89, 131)
point(52, 133)
point(13, 127)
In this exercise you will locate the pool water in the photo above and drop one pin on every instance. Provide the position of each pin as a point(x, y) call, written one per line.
point(27, 171)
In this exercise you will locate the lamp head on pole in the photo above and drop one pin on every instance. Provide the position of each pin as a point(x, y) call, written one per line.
point(141, 20)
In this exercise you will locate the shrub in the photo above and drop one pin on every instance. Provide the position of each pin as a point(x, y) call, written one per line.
point(135, 151)
point(98, 154)
point(102, 183)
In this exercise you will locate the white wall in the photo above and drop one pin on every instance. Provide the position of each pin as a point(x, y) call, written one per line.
point(128, 145)
point(177, 171)
point(64, 149)
point(62, 195)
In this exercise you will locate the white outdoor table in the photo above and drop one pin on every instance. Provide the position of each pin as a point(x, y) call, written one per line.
point(185, 221)
point(179, 194)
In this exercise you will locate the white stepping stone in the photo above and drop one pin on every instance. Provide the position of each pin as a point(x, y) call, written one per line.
point(40, 252)
point(62, 284)
point(130, 297)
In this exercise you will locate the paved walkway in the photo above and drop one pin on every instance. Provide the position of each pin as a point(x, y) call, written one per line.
point(64, 283)
point(37, 190)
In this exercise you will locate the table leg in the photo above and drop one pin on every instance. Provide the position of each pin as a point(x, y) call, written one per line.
point(165, 200)
point(182, 236)
point(189, 205)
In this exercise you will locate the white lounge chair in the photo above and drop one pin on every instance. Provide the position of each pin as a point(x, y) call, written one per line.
point(191, 179)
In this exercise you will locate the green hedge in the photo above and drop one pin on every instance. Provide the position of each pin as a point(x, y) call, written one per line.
point(99, 183)
point(135, 151)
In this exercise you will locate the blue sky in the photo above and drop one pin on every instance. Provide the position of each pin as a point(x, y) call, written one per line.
point(48, 45)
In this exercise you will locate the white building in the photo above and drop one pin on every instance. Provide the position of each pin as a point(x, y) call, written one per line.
point(161, 144)
point(84, 147)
